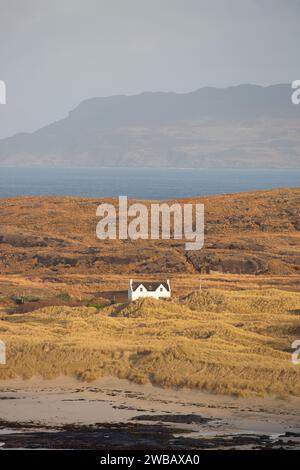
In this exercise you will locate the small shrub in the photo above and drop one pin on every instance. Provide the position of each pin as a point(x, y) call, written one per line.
point(65, 296)
point(22, 299)
point(98, 307)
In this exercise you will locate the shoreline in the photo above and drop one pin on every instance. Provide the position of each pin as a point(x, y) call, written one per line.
point(66, 413)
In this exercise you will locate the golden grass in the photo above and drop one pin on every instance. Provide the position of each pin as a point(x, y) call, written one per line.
point(232, 342)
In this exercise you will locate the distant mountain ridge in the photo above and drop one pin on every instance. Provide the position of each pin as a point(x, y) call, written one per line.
point(240, 126)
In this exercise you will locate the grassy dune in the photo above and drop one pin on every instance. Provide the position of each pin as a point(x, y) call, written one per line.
point(219, 341)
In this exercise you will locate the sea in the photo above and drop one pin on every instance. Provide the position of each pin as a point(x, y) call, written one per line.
point(140, 183)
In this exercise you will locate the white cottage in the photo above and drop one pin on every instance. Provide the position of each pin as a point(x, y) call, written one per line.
point(157, 290)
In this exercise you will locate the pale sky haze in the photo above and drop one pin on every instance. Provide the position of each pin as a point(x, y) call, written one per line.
point(54, 54)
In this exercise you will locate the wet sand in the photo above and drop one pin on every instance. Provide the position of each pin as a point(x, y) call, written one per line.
point(117, 414)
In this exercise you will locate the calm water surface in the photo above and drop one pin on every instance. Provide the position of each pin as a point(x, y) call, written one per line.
point(140, 183)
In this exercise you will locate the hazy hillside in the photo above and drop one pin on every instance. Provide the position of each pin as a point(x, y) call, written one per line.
point(242, 126)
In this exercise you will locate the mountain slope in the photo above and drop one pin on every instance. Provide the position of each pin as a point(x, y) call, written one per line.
point(242, 126)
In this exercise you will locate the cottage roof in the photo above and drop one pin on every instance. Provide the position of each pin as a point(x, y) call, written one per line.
point(150, 286)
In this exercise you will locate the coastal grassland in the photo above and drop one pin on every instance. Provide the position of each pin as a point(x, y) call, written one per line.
point(230, 342)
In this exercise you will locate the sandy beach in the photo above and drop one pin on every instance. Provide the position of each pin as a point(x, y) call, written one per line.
point(113, 413)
